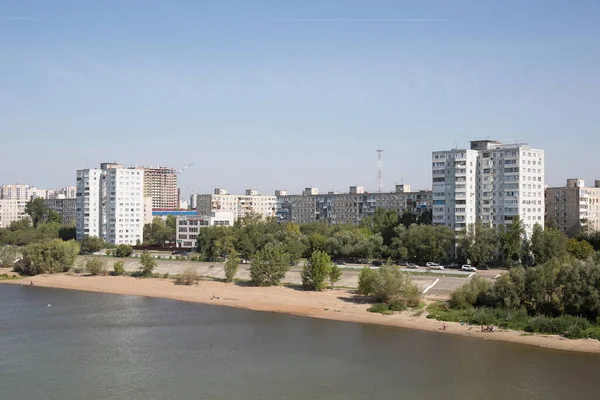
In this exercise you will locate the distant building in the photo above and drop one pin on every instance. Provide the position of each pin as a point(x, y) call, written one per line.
point(491, 182)
point(68, 192)
point(21, 192)
point(239, 205)
point(570, 207)
point(160, 183)
point(163, 214)
point(110, 203)
point(347, 208)
point(188, 227)
point(11, 210)
point(148, 210)
point(66, 208)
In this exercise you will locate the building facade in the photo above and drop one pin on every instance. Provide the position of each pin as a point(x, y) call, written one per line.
point(11, 210)
point(491, 182)
point(347, 208)
point(110, 204)
point(160, 183)
point(68, 192)
point(188, 227)
point(239, 205)
point(66, 208)
point(571, 207)
point(21, 192)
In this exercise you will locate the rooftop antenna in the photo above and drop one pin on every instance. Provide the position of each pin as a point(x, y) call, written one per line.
point(379, 171)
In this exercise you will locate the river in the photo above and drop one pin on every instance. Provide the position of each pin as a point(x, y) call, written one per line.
point(61, 344)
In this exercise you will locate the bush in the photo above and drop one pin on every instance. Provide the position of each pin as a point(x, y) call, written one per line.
point(335, 274)
point(188, 277)
point(91, 244)
point(123, 250)
point(119, 268)
point(316, 271)
point(166, 276)
point(381, 308)
point(231, 266)
point(47, 257)
point(366, 279)
point(472, 293)
point(563, 325)
point(148, 263)
point(94, 266)
point(8, 256)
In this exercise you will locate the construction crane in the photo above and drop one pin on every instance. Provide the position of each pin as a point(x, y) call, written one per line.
point(184, 168)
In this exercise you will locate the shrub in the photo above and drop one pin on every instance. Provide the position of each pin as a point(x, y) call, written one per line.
point(47, 257)
point(557, 326)
point(231, 266)
point(316, 271)
point(94, 266)
point(91, 244)
point(119, 268)
point(8, 256)
point(366, 279)
point(472, 293)
point(381, 308)
point(123, 250)
point(148, 263)
point(188, 277)
point(269, 265)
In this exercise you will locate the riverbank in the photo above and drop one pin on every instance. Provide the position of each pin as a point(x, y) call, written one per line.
point(339, 305)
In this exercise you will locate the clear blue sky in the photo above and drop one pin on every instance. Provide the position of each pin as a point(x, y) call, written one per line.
point(288, 94)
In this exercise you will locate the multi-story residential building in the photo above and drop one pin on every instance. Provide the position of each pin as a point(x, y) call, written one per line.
point(571, 207)
point(110, 203)
point(66, 208)
point(21, 192)
point(347, 208)
point(492, 182)
point(68, 192)
point(239, 205)
point(188, 227)
point(11, 210)
point(160, 183)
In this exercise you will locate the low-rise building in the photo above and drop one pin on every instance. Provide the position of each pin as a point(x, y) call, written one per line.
point(66, 208)
point(572, 206)
point(239, 205)
point(188, 227)
point(347, 208)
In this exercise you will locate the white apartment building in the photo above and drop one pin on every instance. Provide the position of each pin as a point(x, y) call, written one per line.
point(21, 192)
point(110, 204)
point(188, 227)
point(492, 182)
point(68, 192)
point(11, 210)
point(239, 205)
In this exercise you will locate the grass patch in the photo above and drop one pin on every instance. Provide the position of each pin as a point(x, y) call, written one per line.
point(7, 277)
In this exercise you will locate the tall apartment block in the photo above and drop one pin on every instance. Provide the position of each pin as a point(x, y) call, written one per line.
point(160, 183)
point(239, 205)
point(491, 181)
point(570, 207)
point(347, 208)
point(66, 208)
point(110, 203)
point(21, 192)
point(11, 210)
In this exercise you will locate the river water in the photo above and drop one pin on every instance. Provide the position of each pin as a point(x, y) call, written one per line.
point(100, 346)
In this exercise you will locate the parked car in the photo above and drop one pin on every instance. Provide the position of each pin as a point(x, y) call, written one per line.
point(376, 263)
point(432, 265)
point(411, 265)
point(468, 267)
point(452, 265)
point(339, 262)
point(179, 253)
point(245, 262)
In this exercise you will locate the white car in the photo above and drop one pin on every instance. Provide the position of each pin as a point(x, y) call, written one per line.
point(432, 265)
point(468, 267)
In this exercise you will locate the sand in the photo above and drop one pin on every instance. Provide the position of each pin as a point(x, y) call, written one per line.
point(339, 305)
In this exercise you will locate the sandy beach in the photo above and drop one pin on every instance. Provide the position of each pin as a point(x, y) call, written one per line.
point(340, 305)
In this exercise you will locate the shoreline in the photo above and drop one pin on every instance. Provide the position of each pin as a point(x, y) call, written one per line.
point(338, 305)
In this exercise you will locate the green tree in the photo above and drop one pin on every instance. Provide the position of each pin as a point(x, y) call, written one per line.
point(158, 232)
point(147, 265)
point(53, 216)
point(8, 256)
point(395, 288)
point(408, 218)
point(48, 257)
point(316, 271)
point(335, 274)
point(119, 268)
point(547, 244)
point(37, 210)
point(123, 250)
point(94, 266)
point(382, 222)
point(67, 232)
point(91, 244)
point(511, 240)
point(231, 266)
point(429, 243)
point(473, 293)
point(580, 249)
point(269, 265)
point(479, 245)
point(366, 281)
